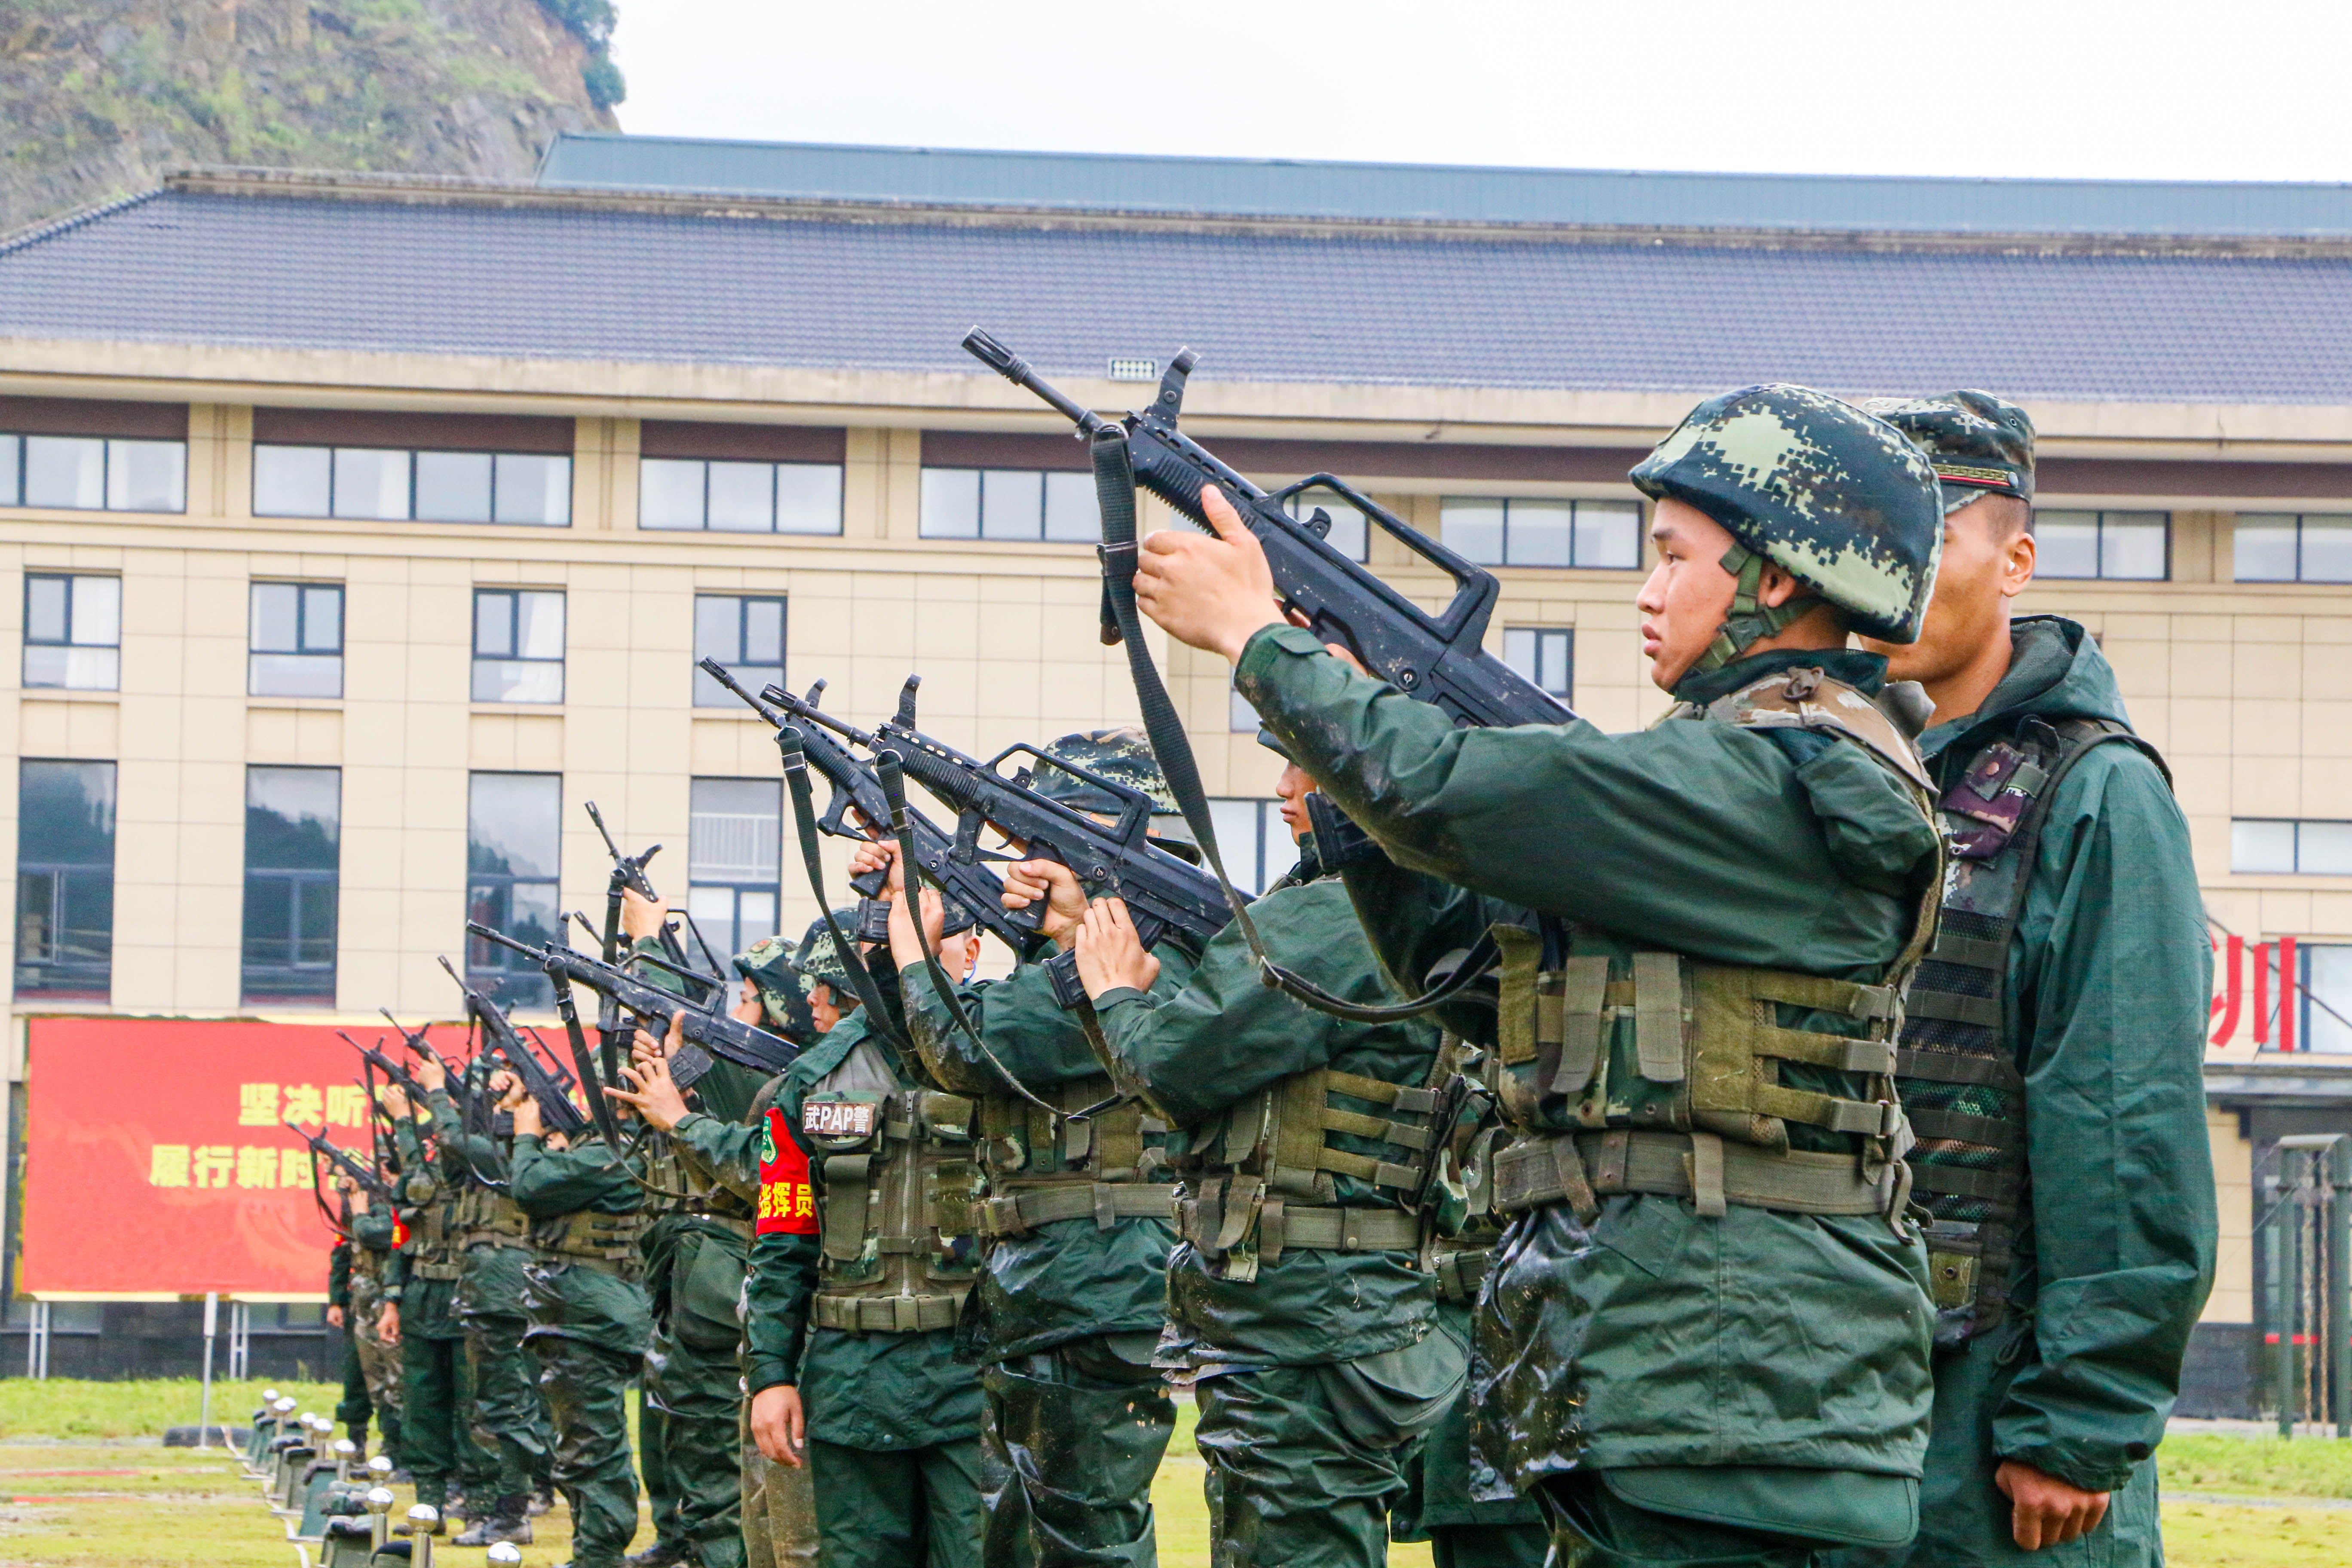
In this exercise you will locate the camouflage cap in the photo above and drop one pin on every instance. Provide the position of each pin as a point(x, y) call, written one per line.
point(1840, 501)
point(818, 963)
point(767, 963)
point(1121, 755)
point(1979, 444)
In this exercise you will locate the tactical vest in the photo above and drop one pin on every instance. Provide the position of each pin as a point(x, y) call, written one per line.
point(1042, 1168)
point(431, 1239)
point(1698, 1108)
point(1957, 1066)
point(704, 1196)
point(607, 1242)
point(486, 1216)
point(1464, 1226)
point(899, 1194)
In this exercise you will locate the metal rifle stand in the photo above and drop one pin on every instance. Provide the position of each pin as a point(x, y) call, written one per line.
point(212, 1326)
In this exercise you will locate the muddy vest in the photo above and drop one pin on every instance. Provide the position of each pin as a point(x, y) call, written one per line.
point(683, 1186)
point(1685, 1078)
point(606, 1242)
point(899, 1190)
point(1464, 1225)
point(486, 1216)
point(1957, 1066)
point(432, 1238)
point(1040, 1168)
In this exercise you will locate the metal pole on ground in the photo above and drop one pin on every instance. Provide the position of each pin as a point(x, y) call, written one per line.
point(212, 1325)
point(2339, 1281)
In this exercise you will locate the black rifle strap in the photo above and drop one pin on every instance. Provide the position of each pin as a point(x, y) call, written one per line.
point(888, 765)
point(1115, 491)
point(583, 1060)
point(869, 996)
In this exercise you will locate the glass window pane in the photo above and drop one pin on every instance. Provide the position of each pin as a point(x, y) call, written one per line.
point(64, 814)
point(147, 476)
point(76, 668)
point(1537, 532)
point(808, 498)
point(369, 483)
point(1240, 717)
point(763, 631)
point(950, 503)
point(670, 493)
point(1472, 530)
point(2327, 985)
point(452, 487)
point(276, 614)
point(1349, 529)
point(65, 471)
point(322, 619)
point(2066, 543)
point(2323, 848)
point(2265, 547)
point(2131, 544)
point(1519, 651)
point(293, 818)
point(12, 450)
point(45, 608)
point(1239, 826)
point(1608, 533)
point(1011, 504)
point(295, 675)
point(744, 497)
point(2261, 847)
point(512, 824)
point(713, 909)
point(290, 482)
point(539, 624)
point(517, 681)
point(65, 884)
point(717, 623)
point(755, 916)
point(98, 612)
point(533, 490)
point(737, 830)
point(2327, 549)
point(1073, 515)
point(493, 623)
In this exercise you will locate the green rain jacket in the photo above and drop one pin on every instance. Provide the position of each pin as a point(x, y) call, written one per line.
point(567, 1299)
point(1072, 1279)
point(881, 1392)
point(1225, 1036)
point(1761, 1339)
point(492, 1285)
point(2107, 1000)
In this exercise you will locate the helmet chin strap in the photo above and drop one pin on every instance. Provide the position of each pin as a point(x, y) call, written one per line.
point(1750, 620)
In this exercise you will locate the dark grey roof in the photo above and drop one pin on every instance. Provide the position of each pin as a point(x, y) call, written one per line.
point(542, 280)
point(1429, 192)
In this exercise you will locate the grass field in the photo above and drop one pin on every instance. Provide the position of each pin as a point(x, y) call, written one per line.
point(83, 1484)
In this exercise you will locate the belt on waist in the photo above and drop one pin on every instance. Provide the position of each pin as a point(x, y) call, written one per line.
point(442, 1271)
point(734, 1225)
point(886, 1314)
point(1459, 1274)
point(1580, 1168)
point(1105, 1203)
point(629, 1266)
point(1282, 1226)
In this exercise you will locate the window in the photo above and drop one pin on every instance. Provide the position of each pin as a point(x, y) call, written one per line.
point(1240, 717)
point(1253, 840)
point(293, 836)
point(1545, 654)
point(2326, 996)
point(2294, 547)
point(73, 632)
point(85, 473)
point(2273, 848)
point(297, 636)
point(64, 879)
point(738, 497)
point(518, 644)
point(2135, 546)
point(1009, 504)
point(1350, 531)
point(734, 861)
point(513, 843)
point(390, 484)
point(744, 634)
point(1524, 532)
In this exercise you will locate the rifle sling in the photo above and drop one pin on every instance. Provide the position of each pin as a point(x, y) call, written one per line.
point(869, 996)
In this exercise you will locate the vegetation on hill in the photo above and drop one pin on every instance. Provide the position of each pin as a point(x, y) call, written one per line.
point(97, 98)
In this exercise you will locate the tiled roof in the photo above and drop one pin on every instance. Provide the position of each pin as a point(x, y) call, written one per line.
point(1298, 188)
point(543, 281)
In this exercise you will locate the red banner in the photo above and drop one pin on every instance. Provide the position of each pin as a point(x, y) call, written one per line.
point(156, 1157)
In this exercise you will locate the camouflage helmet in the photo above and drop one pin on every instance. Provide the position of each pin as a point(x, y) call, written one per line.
point(767, 963)
point(1979, 443)
point(1123, 756)
point(1838, 500)
point(818, 961)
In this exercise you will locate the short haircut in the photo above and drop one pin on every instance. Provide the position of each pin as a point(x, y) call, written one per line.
point(2007, 515)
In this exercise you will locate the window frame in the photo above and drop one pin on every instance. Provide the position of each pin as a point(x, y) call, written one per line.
point(410, 455)
point(979, 534)
point(72, 580)
point(298, 885)
point(1271, 838)
point(736, 887)
point(719, 697)
point(505, 975)
point(302, 591)
point(514, 596)
point(2099, 516)
point(1573, 504)
point(775, 498)
point(90, 980)
point(1568, 645)
point(2299, 519)
point(2296, 856)
point(20, 470)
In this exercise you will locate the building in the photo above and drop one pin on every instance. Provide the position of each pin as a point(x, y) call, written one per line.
point(370, 526)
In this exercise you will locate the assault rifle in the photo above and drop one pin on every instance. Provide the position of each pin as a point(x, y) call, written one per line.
point(968, 886)
point(551, 1086)
point(399, 1077)
point(1166, 895)
point(714, 1033)
point(1437, 659)
point(367, 1180)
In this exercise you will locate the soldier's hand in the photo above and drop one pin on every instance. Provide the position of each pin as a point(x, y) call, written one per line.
point(432, 1074)
point(1212, 593)
point(2044, 1510)
point(1028, 881)
point(652, 1092)
point(525, 1111)
point(334, 1317)
point(387, 1325)
point(1110, 954)
point(508, 1088)
point(777, 1424)
point(878, 854)
point(642, 917)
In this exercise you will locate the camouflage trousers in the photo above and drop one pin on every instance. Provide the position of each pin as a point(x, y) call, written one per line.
point(379, 1364)
point(586, 1386)
point(1073, 1438)
point(778, 1509)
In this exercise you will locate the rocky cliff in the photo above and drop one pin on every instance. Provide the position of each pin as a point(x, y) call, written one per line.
point(97, 98)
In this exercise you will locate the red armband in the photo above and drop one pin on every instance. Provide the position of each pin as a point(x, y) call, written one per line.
point(787, 1204)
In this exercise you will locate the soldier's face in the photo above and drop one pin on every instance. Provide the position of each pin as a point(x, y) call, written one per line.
point(821, 1008)
point(1988, 561)
point(1294, 786)
point(1687, 595)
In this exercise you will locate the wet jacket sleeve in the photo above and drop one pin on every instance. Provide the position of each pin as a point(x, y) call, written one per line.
point(781, 1275)
point(395, 1273)
point(372, 1228)
point(1023, 1028)
point(2118, 975)
point(728, 1151)
point(338, 1275)
point(1719, 842)
point(464, 1151)
point(546, 1182)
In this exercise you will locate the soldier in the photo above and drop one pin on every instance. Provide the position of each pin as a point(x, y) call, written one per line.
point(493, 1240)
point(420, 1317)
point(372, 1368)
point(851, 1304)
point(1706, 1334)
point(1299, 1309)
point(1076, 1231)
point(2053, 1049)
point(586, 1298)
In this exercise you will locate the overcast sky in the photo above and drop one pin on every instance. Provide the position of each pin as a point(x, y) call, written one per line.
point(2255, 89)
